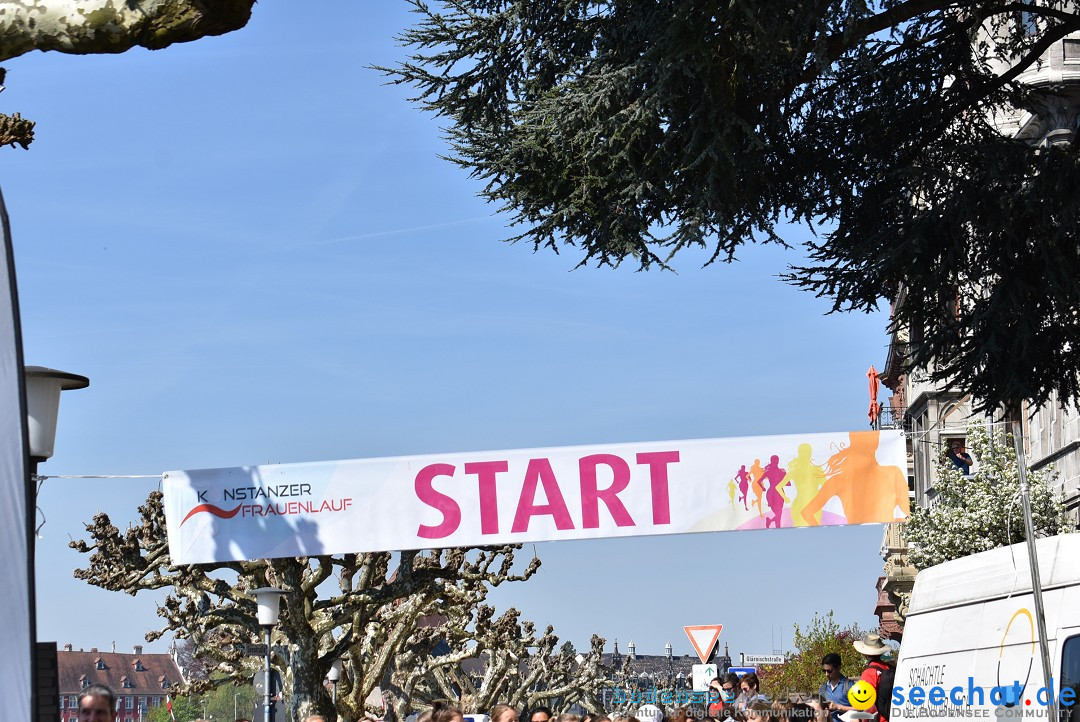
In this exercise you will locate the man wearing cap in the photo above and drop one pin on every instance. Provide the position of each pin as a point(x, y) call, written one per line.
point(871, 647)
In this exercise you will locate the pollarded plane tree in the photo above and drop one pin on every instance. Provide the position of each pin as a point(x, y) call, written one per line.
point(637, 130)
point(363, 608)
point(482, 660)
point(85, 27)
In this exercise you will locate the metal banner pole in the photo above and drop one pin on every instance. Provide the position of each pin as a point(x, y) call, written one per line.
point(1036, 582)
point(269, 712)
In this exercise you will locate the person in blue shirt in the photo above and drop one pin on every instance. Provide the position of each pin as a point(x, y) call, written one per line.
point(960, 458)
point(835, 687)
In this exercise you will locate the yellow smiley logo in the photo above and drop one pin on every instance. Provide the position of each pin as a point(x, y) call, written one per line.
point(861, 695)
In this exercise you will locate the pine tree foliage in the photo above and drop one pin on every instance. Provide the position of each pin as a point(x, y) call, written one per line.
point(402, 622)
point(982, 512)
point(635, 130)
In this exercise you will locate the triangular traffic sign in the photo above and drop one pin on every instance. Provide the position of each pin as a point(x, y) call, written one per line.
point(703, 637)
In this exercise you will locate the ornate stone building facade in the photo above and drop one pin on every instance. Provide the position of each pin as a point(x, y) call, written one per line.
point(934, 415)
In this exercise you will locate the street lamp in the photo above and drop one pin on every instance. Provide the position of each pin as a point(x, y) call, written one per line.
point(43, 387)
point(269, 601)
point(334, 675)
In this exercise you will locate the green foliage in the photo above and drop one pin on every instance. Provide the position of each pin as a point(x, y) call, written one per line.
point(218, 704)
point(970, 515)
point(801, 671)
point(186, 709)
point(636, 130)
point(223, 701)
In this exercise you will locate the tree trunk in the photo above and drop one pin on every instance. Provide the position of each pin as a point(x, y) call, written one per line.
point(113, 26)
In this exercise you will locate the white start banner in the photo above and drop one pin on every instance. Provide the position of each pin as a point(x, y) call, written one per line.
point(497, 497)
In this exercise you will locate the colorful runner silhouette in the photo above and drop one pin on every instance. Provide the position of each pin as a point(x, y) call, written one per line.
point(756, 472)
point(744, 485)
point(774, 494)
point(807, 478)
point(868, 491)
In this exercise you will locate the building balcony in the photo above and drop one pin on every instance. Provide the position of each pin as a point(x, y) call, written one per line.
point(894, 417)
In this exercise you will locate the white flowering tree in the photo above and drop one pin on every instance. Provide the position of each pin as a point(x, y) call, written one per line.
point(976, 513)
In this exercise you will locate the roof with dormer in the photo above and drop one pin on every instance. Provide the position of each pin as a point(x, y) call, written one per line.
point(125, 674)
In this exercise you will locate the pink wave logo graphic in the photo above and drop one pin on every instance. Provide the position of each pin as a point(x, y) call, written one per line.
point(211, 509)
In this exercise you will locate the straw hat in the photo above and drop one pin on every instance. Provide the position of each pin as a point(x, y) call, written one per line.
point(871, 645)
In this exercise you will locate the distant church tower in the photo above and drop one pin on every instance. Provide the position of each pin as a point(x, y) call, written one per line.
point(723, 662)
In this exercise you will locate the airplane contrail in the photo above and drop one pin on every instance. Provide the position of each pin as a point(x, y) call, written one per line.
point(392, 232)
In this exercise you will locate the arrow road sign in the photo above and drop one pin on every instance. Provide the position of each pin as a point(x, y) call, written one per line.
point(701, 675)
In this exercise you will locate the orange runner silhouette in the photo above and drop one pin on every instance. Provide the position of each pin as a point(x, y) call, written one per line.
point(868, 491)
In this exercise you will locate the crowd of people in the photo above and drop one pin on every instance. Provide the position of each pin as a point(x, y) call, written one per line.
point(738, 699)
point(741, 700)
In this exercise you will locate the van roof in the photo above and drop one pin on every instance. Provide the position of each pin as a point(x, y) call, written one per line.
point(996, 573)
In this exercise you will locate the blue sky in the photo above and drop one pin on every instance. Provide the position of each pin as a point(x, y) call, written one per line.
point(251, 248)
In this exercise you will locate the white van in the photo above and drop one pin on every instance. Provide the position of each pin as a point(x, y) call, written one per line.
point(971, 626)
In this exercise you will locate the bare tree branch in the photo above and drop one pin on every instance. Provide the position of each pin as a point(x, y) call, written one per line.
point(391, 623)
point(104, 26)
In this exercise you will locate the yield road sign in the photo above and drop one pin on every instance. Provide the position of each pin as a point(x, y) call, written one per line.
point(703, 637)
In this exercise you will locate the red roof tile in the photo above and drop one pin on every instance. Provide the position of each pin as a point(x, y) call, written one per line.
point(72, 666)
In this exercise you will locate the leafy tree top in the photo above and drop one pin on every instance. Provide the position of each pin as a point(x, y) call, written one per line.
point(635, 130)
point(801, 671)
